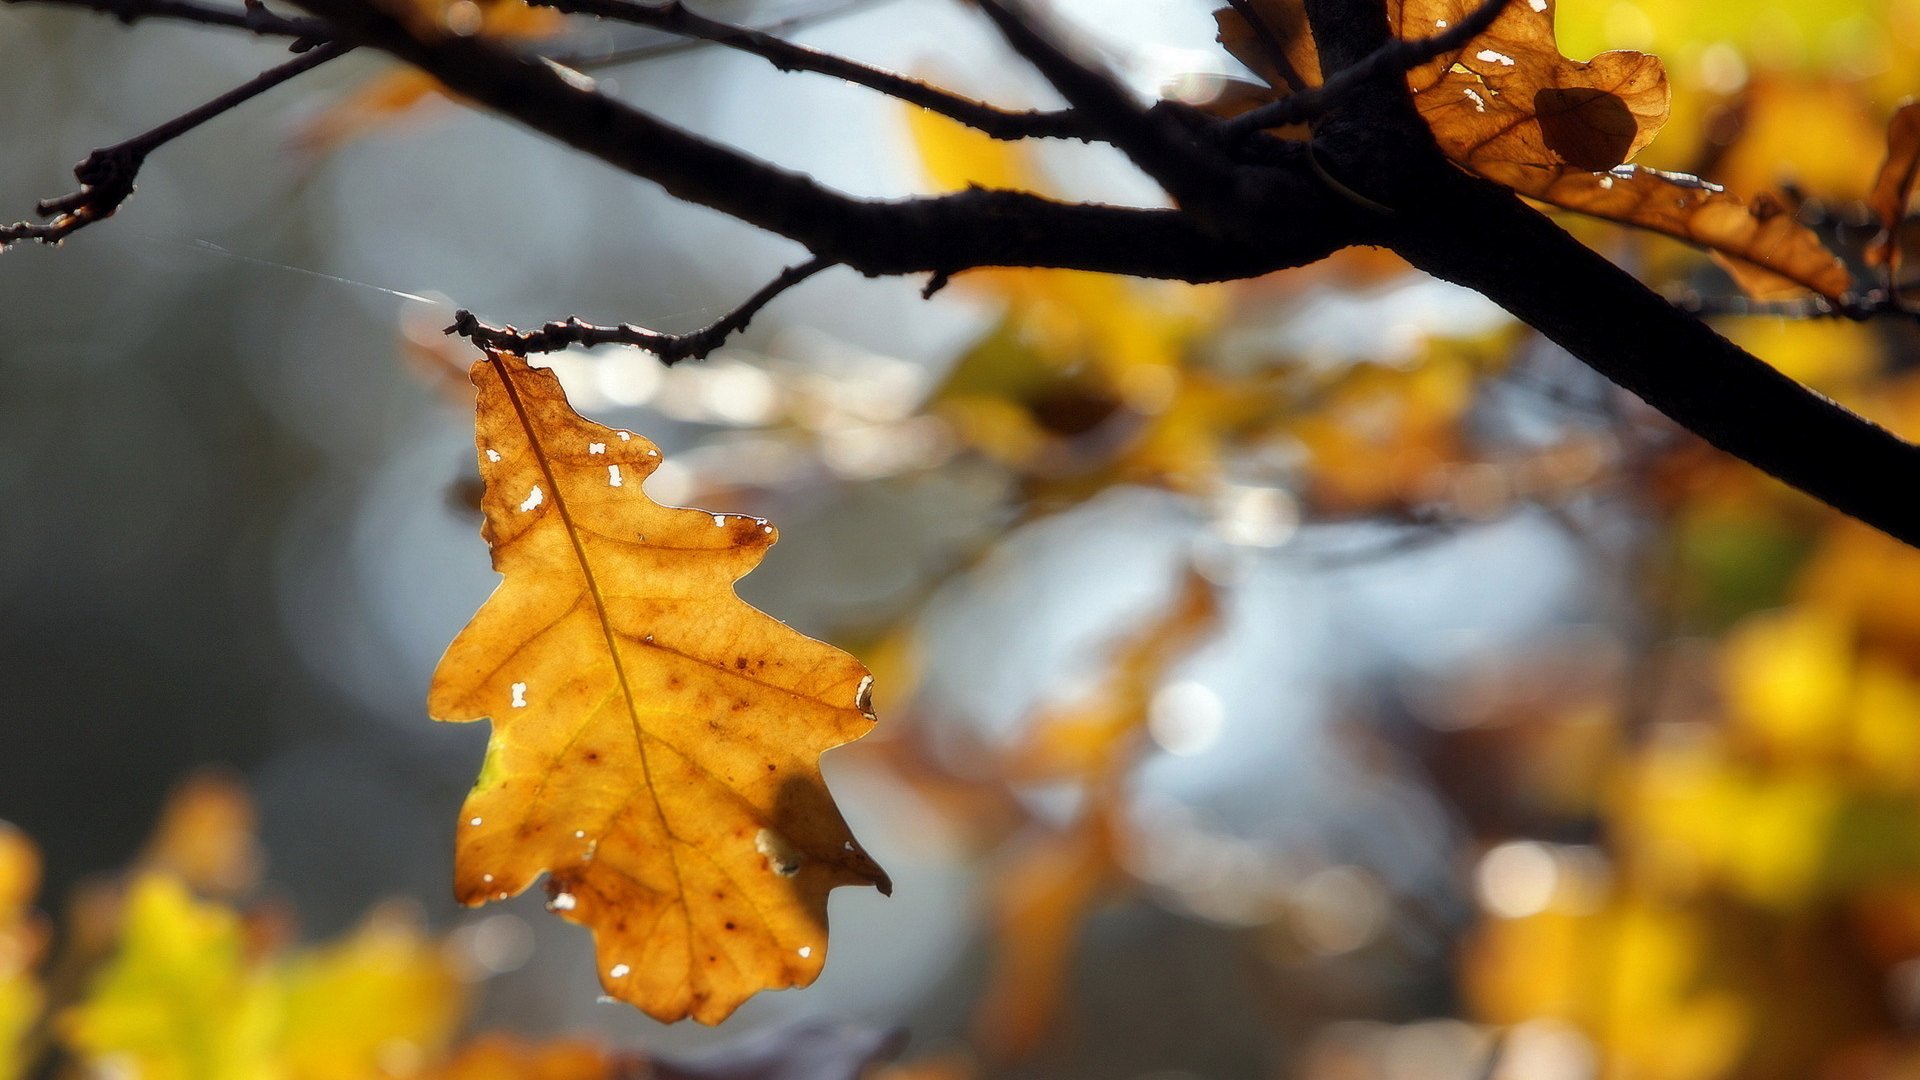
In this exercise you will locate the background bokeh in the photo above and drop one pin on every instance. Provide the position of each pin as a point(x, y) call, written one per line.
point(1495, 650)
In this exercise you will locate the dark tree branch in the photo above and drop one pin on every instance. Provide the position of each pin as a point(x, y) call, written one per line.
point(255, 18)
point(675, 18)
point(1346, 32)
point(1396, 57)
point(1263, 209)
point(670, 348)
point(107, 175)
point(944, 234)
point(1477, 234)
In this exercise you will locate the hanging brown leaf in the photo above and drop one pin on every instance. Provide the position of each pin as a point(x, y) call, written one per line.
point(1283, 26)
point(1893, 188)
point(1510, 96)
point(656, 741)
point(1510, 107)
point(1762, 244)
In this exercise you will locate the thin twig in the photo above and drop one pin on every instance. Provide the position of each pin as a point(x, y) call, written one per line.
point(1392, 58)
point(107, 175)
point(1859, 307)
point(675, 18)
point(255, 18)
point(670, 348)
point(594, 59)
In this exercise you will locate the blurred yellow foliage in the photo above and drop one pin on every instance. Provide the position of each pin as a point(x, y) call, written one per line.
point(22, 938)
point(182, 1000)
point(1628, 974)
point(186, 997)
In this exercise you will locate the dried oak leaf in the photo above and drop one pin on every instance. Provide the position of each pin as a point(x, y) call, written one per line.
point(1893, 187)
point(1510, 107)
point(656, 741)
point(1510, 96)
point(1760, 243)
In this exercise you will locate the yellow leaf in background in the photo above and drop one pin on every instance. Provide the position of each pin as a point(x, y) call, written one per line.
point(1833, 356)
point(503, 1057)
point(381, 1002)
point(955, 157)
point(1040, 899)
point(1771, 147)
point(1628, 975)
point(22, 940)
point(1089, 738)
point(389, 96)
point(656, 741)
point(1049, 884)
point(1690, 819)
point(1872, 582)
point(181, 1000)
point(1787, 676)
point(1380, 438)
point(1779, 836)
point(205, 836)
point(20, 1002)
point(1886, 724)
point(1655, 1016)
point(186, 998)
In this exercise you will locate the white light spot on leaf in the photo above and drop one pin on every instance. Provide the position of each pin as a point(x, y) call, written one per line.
point(1491, 57)
point(475, 822)
point(534, 498)
point(618, 971)
point(519, 695)
point(1537, 5)
point(613, 476)
point(806, 951)
point(1479, 103)
point(492, 454)
point(720, 519)
point(561, 902)
point(624, 435)
point(597, 448)
point(781, 858)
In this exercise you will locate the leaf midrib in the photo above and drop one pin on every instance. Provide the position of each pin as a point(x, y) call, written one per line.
point(606, 630)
